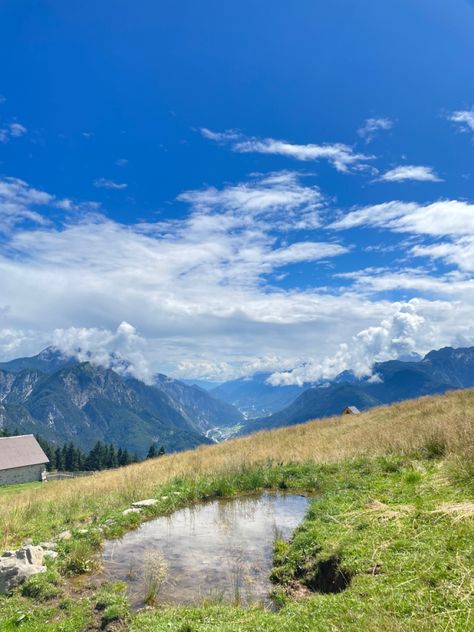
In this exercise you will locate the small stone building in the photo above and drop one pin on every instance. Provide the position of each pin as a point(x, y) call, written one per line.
point(21, 460)
point(351, 410)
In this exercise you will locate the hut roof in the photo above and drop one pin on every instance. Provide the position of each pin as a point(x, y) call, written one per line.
point(352, 410)
point(20, 452)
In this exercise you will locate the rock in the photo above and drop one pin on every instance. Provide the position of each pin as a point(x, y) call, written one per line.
point(50, 555)
point(149, 502)
point(48, 546)
point(28, 541)
point(65, 535)
point(131, 510)
point(18, 566)
point(34, 554)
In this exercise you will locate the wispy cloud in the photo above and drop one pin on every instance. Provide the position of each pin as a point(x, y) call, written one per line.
point(20, 202)
point(121, 162)
point(105, 183)
point(418, 173)
point(12, 130)
point(278, 199)
point(341, 156)
point(446, 217)
point(220, 137)
point(464, 119)
point(372, 126)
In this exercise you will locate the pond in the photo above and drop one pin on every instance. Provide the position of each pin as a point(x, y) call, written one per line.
point(220, 550)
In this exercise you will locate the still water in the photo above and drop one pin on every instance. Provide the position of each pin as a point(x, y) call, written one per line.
point(218, 550)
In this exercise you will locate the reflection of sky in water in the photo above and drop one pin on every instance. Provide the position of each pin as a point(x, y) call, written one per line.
point(212, 550)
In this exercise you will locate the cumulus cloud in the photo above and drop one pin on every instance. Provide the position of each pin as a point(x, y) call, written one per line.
point(410, 172)
point(341, 156)
point(404, 332)
point(105, 183)
point(372, 126)
point(464, 119)
point(121, 350)
point(194, 287)
point(201, 290)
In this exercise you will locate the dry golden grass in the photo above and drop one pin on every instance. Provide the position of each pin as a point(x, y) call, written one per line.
point(444, 422)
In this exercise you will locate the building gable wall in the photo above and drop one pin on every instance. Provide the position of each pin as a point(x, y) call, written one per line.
point(25, 474)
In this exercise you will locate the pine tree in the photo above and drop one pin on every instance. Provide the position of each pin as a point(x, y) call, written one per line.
point(111, 457)
point(152, 452)
point(58, 458)
point(161, 451)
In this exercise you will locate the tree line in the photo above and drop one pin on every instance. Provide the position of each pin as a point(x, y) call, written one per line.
point(103, 456)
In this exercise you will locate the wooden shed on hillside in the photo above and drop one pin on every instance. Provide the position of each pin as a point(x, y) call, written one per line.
point(22, 460)
point(351, 410)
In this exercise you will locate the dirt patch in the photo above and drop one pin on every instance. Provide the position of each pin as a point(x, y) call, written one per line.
point(459, 511)
point(384, 512)
point(328, 576)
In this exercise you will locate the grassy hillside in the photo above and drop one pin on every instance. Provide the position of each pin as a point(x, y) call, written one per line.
point(393, 517)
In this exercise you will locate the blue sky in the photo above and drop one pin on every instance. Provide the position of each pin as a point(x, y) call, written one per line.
point(213, 188)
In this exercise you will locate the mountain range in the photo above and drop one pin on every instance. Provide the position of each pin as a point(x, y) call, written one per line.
point(64, 400)
point(391, 381)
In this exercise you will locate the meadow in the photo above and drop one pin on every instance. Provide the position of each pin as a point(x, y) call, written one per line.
point(392, 520)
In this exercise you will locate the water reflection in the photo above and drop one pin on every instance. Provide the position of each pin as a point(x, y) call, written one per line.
point(219, 550)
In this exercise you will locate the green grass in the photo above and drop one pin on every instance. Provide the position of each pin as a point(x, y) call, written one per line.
point(13, 489)
point(393, 524)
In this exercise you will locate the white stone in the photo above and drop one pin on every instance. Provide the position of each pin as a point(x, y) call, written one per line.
point(131, 510)
point(18, 566)
point(65, 535)
point(149, 502)
point(50, 555)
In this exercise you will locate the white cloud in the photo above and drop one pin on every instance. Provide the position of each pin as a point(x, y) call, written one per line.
point(121, 350)
point(459, 253)
point(445, 217)
point(121, 162)
point(17, 130)
point(404, 332)
point(304, 251)
point(220, 137)
point(19, 202)
point(410, 172)
point(200, 290)
point(12, 130)
point(464, 118)
point(372, 126)
point(341, 156)
point(278, 199)
point(105, 183)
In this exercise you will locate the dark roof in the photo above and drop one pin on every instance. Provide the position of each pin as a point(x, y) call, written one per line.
point(20, 451)
point(352, 409)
